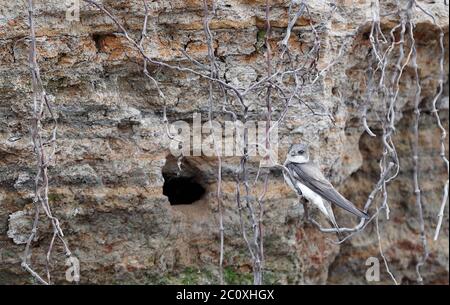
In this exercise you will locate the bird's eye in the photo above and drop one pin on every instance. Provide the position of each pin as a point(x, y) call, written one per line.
point(301, 152)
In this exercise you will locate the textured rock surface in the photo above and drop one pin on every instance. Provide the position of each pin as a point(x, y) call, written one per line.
point(107, 183)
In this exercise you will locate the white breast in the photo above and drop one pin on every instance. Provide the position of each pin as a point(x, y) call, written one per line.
point(310, 195)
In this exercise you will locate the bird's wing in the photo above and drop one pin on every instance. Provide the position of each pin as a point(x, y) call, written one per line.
point(311, 176)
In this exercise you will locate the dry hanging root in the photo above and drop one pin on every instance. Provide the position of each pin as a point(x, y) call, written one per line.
point(396, 54)
point(435, 112)
point(44, 148)
point(406, 33)
point(214, 73)
point(275, 81)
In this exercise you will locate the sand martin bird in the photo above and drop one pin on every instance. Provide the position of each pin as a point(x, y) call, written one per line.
point(313, 184)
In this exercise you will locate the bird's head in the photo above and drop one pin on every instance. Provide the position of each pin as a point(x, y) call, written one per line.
point(298, 153)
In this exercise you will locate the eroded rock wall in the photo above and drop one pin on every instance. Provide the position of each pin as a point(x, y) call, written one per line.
point(107, 182)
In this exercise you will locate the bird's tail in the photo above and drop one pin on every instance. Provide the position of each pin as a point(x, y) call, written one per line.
point(362, 214)
point(350, 207)
point(333, 219)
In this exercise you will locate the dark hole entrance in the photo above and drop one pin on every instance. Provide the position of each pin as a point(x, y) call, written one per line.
point(182, 190)
point(185, 181)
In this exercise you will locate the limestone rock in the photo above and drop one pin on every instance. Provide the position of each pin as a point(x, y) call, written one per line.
point(106, 184)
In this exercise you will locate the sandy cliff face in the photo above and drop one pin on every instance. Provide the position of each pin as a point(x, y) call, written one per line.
point(113, 153)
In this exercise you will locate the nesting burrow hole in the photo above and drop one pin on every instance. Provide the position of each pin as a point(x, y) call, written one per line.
point(186, 186)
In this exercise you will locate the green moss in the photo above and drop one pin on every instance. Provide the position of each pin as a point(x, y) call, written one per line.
point(190, 276)
point(193, 276)
point(261, 35)
point(53, 197)
point(260, 39)
point(158, 280)
point(231, 276)
point(7, 253)
point(270, 278)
